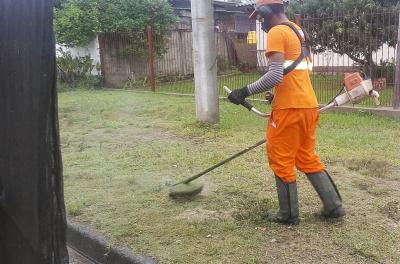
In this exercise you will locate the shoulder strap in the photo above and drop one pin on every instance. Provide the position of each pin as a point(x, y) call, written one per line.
point(295, 30)
point(304, 47)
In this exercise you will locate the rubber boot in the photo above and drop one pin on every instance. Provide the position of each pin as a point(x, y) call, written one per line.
point(329, 194)
point(288, 204)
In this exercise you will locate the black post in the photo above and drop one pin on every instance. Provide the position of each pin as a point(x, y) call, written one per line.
point(32, 213)
point(396, 99)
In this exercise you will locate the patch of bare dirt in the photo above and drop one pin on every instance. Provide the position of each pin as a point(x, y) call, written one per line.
point(157, 134)
point(391, 210)
point(200, 214)
point(370, 167)
point(376, 186)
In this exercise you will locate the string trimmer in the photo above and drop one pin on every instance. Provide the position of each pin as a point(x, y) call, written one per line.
point(356, 88)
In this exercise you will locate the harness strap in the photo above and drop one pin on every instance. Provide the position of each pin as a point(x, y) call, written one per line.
point(304, 47)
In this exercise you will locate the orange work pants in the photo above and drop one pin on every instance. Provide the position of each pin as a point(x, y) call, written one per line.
point(291, 142)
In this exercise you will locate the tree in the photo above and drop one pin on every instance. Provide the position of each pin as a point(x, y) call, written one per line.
point(357, 28)
point(77, 21)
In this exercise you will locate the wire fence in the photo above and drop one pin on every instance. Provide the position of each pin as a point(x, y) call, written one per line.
point(354, 42)
point(341, 43)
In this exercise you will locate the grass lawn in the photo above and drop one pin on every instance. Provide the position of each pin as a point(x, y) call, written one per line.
point(122, 149)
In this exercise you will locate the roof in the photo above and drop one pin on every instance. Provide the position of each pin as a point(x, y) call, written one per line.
point(252, 2)
point(219, 5)
point(247, 3)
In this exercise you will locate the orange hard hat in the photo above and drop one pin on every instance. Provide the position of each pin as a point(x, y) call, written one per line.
point(261, 3)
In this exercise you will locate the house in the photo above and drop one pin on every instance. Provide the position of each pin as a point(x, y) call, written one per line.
point(230, 16)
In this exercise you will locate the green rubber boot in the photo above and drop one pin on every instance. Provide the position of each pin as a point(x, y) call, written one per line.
point(288, 204)
point(329, 194)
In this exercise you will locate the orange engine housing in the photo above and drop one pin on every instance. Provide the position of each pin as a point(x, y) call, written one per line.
point(352, 80)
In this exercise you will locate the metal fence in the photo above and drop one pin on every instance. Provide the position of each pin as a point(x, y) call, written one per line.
point(341, 43)
point(354, 42)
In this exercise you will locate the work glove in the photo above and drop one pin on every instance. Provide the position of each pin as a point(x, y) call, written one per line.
point(239, 95)
point(269, 97)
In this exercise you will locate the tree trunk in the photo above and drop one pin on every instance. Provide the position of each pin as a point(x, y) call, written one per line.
point(370, 66)
point(32, 213)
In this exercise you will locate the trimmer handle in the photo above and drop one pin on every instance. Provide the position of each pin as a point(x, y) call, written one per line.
point(248, 105)
point(244, 103)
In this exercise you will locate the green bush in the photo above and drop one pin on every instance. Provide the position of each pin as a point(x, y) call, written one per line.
point(386, 70)
point(89, 83)
point(78, 21)
point(71, 69)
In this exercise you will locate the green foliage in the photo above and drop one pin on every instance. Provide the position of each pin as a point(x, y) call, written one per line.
point(323, 8)
point(89, 83)
point(128, 15)
point(357, 28)
point(131, 18)
point(76, 23)
point(75, 208)
point(387, 69)
point(71, 69)
point(58, 3)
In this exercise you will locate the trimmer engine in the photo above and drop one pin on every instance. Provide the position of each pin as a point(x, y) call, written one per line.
point(356, 89)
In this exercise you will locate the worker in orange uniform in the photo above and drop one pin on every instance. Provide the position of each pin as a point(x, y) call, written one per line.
point(291, 131)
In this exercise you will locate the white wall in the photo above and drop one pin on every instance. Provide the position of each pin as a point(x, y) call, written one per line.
point(261, 46)
point(330, 58)
point(92, 50)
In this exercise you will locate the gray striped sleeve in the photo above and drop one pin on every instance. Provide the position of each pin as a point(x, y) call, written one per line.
point(269, 80)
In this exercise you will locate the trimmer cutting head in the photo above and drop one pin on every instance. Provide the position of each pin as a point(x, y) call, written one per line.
point(185, 190)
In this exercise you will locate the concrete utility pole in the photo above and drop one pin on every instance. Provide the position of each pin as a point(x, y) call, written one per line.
point(396, 100)
point(205, 61)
